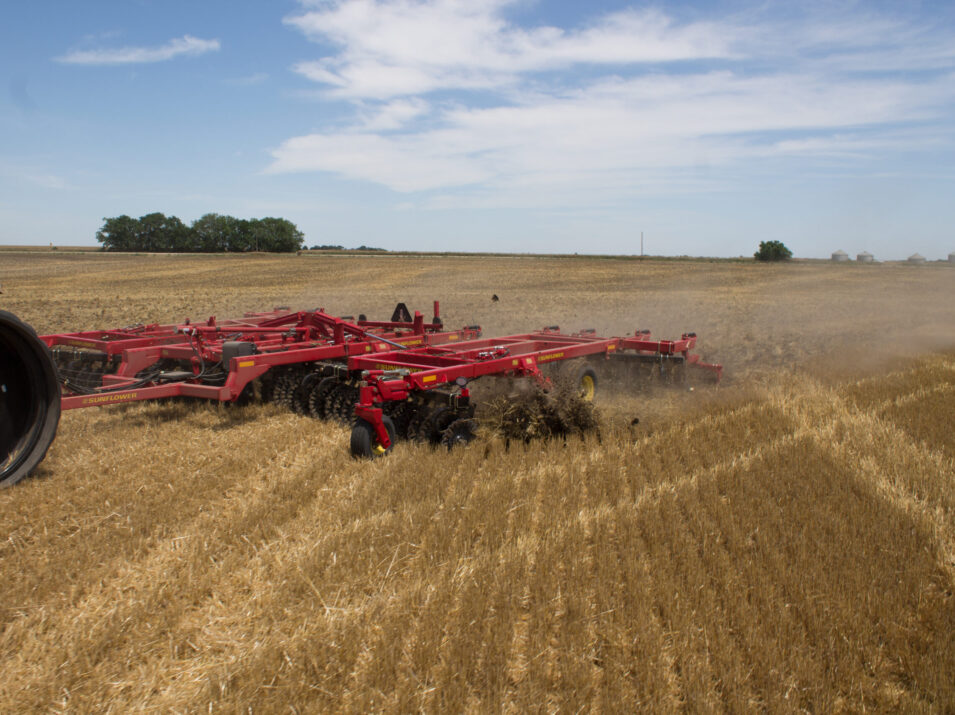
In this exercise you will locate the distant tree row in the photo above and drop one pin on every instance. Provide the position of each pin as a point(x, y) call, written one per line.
point(330, 247)
point(212, 233)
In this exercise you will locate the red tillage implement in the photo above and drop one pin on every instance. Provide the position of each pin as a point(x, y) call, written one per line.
point(390, 379)
point(406, 392)
point(219, 360)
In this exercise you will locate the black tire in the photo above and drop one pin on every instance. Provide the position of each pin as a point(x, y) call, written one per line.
point(29, 399)
point(364, 441)
point(585, 383)
point(316, 398)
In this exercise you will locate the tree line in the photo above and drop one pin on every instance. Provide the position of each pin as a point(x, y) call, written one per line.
point(336, 247)
point(213, 233)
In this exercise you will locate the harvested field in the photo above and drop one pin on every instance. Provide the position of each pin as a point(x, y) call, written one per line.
point(785, 542)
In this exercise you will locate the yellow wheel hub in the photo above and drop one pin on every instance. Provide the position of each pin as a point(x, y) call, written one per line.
point(587, 388)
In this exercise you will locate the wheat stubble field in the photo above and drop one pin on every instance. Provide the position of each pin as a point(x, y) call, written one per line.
point(784, 543)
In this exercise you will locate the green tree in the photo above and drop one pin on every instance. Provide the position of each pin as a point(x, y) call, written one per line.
point(163, 234)
point(151, 235)
point(772, 251)
point(241, 238)
point(275, 234)
point(177, 236)
point(212, 233)
point(215, 233)
point(119, 233)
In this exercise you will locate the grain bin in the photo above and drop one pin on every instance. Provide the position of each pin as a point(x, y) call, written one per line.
point(951, 257)
point(917, 259)
point(865, 257)
point(840, 256)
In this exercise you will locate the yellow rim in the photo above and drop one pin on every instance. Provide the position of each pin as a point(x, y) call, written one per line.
point(378, 450)
point(587, 387)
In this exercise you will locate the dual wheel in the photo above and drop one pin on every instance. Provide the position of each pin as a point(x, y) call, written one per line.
point(365, 443)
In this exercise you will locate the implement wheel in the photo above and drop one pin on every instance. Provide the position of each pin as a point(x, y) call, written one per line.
point(586, 383)
point(364, 441)
point(29, 399)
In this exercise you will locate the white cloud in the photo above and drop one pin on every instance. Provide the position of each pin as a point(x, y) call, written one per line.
point(655, 122)
point(579, 115)
point(400, 47)
point(393, 115)
point(186, 45)
point(402, 163)
point(841, 144)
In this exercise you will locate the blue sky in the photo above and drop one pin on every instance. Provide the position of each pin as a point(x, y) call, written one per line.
point(495, 125)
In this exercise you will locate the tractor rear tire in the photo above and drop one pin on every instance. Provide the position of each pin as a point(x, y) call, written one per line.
point(364, 441)
point(29, 399)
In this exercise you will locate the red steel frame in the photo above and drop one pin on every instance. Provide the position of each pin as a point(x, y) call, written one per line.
point(428, 358)
point(396, 375)
point(280, 339)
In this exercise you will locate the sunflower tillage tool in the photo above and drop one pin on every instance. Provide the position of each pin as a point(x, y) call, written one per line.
point(422, 393)
point(401, 378)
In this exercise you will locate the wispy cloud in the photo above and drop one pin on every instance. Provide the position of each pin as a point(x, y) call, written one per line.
point(185, 46)
point(646, 123)
point(248, 80)
point(449, 96)
point(393, 115)
point(32, 175)
point(404, 47)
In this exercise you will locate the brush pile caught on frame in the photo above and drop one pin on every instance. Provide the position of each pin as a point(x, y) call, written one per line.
point(529, 412)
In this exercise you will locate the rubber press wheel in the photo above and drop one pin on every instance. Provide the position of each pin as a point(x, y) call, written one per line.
point(364, 441)
point(29, 399)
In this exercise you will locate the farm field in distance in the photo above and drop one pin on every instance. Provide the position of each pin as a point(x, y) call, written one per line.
point(783, 542)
